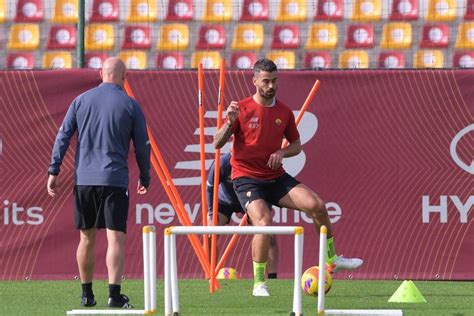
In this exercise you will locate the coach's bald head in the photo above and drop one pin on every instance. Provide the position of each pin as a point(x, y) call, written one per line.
point(113, 71)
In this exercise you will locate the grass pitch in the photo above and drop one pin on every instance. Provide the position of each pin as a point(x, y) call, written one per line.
point(235, 297)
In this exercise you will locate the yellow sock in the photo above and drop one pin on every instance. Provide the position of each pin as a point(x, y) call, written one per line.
point(259, 273)
point(331, 250)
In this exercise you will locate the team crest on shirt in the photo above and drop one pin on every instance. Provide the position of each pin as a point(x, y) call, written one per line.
point(254, 122)
point(278, 121)
point(249, 193)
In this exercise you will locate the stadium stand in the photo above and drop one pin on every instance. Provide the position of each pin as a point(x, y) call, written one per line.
point(180, 10)
point(329, 10)
point(441, 10)
point(435, 36)
point(317, 60)
point(209, 59)
point(391, 60)
point(136, 37)
point(426, 58)
point(99, 37)
point(285, 37)
point(105, 11)
point(396, 35)
point(322, 36)
point(57, 60)
point(62, 37)
point(170, 60)
point(360, 36)
point(142, 11)
point(354, 59)
point(173, 37)
point(404, 10)
point(30, 11)
point(243, 60)
point(20, 61)
point(255, 10)
point(65, 11)
point(218, 11)
point(211, 37)
point(291, 11)
point(367, 10)
point(248, 36)
point(94, 60)
point(134, 59)
point(283, 59)
point(24, 37)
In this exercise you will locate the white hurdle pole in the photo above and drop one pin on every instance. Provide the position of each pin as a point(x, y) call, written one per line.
point(153, 270)
point(171, 277)
point(323, 234)
point(146, 266)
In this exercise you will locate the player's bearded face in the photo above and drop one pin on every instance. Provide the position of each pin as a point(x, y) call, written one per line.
point(266, 83)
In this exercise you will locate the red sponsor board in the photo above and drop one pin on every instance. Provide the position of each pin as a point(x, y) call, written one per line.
point(391, 152)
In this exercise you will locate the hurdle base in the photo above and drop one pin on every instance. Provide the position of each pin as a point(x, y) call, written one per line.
point(359, 312)
point(108, 312)
point(294, 314)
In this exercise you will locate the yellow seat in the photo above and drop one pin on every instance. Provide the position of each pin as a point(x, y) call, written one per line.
point(426, 58)
point(292, 11)
point(322, 36)
point(65, 11)
point(248, 37)
point(396, 35)
point(465, 37)
point(354, 59)
point(441, 10)
point(209, 59)
point(99, 37)
point(283, 59)
point(367, 10)
point(218, 11)
point(173, 37)
point(24, 37)
point(142, 11)
point(134, 59)
point(57, 60)
point(2, 11)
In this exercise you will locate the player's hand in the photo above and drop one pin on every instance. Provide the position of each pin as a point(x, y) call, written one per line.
point(233, 111)
point(275, 159)
point(141, 189)
point(53, 185)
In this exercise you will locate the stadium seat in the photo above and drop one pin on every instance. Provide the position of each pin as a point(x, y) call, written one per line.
point(62, 37)
point(426, 58)
point(65, 11)
point(354, 59)
point(211, 37)
point(283, 59)
point(20, 61)
point(285, 37)
point(133, 59)
point(469, 10)
point(360, 36)
point(291, 11)
point(391, 60)
point(99, 37)
point(180, 10)
point(24, 37)
point(404, 10)
point(209, 59)
point(322, 36)
point(243, 60)
point(248, 37)
point(218, 11)
point(396, 35)
point(172, 60)
point(173, 37)
point(29, 11)
point(94, 60)
point(463, 59)
point(3, 11)
point(465, 36)
point(435, 36)
point(329, 10)
point(255, 10)
point(441, 10)
point(136, 37)
point(142, 11)
point(367, 10)
point(105, 11)
point(57, 60)
point(317, 60)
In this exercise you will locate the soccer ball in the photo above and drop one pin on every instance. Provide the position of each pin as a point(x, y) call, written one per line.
point(309, 281)
point(228, 274)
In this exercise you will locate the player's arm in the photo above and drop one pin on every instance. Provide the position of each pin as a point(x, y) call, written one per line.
point(223, 134)
point(276, 159)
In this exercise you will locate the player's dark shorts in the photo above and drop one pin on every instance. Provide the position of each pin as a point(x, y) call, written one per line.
point(249, 189)
point(101, 207)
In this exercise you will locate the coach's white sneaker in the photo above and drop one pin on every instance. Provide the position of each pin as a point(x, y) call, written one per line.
point(341, 263)
point(261, 290)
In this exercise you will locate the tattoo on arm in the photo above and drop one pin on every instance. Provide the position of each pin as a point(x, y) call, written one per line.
point(222, 135)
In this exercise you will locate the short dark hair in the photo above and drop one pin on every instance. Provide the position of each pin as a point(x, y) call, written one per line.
point(264, 64)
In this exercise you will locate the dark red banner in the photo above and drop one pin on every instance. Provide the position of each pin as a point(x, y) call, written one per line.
point(391, 153)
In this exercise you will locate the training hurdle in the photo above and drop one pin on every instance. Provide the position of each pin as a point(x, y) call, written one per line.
point(171, 276)
point(149, 278)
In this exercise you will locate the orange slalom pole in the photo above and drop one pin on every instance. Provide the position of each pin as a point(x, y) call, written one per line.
point(173, 195)
point(303, 109)
point(205, 239)
point(217, 158)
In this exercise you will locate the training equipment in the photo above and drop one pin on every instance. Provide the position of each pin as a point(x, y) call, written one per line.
point(407, 292)
point(171, 275)
point(149, 276)
point(309, 281)
point(228, 274)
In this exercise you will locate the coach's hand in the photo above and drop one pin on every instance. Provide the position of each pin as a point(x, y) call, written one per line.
point(275, 159)
point(141, 189)
point(233, 111)
point(53, 185)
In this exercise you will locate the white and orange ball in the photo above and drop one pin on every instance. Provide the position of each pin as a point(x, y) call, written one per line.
point(309, 281)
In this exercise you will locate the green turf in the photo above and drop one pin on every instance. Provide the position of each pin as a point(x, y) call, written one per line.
point(56, 297)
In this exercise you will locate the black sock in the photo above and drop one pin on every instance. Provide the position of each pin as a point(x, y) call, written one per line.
point(114, 290)
point(272, 275)
point(87, 290)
